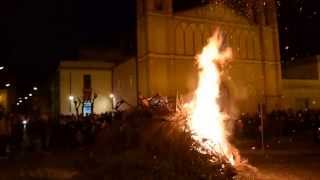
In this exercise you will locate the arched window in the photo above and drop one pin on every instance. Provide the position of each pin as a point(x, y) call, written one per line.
point(225, 38)
point(225, 98)
point(189, 40)
point(143, 8)
point(180, 40)
point(255, 16)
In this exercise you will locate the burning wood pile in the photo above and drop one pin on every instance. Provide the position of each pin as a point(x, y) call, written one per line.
point(189, 144)
point(143, 145)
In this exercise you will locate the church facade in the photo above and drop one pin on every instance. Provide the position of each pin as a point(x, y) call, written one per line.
point(168, 41)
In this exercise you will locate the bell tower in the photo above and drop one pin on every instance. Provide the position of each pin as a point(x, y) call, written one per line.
point(270, 52)
point(164, 6)
point(154, 18)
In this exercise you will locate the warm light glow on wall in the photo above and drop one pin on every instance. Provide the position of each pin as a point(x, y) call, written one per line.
point(102, 104)
point(71, 98)
point(3, 99)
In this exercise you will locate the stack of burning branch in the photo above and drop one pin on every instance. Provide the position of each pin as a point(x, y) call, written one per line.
point(191, 143)
point(155, 103)
point(141, 145)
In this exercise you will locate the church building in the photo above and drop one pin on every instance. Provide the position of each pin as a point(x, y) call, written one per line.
point(169, 39)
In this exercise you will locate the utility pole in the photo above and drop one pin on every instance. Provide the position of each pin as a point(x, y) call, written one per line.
point(262, 23)
point(261, 114)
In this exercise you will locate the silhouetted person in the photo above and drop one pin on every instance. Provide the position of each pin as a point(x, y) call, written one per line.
point(4, 133)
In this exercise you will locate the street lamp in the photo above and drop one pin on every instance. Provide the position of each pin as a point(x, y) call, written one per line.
point(26, 98)
point(8, 85)
point(71, 98)
point(1, 68)
point(30, 94)
point(113, 100)
point(35, 88)
point(20, 101)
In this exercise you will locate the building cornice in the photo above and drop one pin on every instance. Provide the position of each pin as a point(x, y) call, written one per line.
point(191, 58)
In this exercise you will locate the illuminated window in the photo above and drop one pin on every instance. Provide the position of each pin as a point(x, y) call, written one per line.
point(87, 108)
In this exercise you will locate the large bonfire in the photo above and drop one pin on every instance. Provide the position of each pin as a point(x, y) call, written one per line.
point(152, 142)
point(206, 119)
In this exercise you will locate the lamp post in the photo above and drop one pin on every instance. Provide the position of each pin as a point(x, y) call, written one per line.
point(261, 114)
point(113, 100)
point(113, 103)
point(71, 98)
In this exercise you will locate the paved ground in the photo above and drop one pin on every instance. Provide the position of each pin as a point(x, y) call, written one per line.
point(39, 166)
point(293, 161)
point(287, 167)
point(296, 158)
point(278, 166)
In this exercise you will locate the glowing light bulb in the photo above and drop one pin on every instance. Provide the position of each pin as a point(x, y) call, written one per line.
point(71, 98)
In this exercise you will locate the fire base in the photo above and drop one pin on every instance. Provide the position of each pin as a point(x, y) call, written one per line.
point(144, 145)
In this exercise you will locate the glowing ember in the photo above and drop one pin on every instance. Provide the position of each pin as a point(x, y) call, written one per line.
point(206, 120)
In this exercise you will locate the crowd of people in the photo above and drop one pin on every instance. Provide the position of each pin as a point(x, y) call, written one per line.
point(38, 132)
point(21, 132)
point(278, 123)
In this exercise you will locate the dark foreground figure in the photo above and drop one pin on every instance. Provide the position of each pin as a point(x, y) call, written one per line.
point(146, 145)
point(141, 144)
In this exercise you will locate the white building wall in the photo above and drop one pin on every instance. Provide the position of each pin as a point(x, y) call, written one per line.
point(298, 93)
point(71, 84)
point(124, 82)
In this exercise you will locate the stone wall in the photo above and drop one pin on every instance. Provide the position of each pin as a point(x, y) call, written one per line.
point(71, 84)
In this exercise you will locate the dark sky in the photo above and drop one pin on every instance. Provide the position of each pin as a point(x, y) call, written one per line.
point(36, 34)
point(299, 27)
point(40, 31)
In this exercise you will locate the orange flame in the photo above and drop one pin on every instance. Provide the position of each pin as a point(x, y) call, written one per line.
point(206, 120)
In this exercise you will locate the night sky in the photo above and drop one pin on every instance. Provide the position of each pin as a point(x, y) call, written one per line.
point(36, 34)
point(299, 27)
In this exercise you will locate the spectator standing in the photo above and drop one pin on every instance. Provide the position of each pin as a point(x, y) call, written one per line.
point(5, 130)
